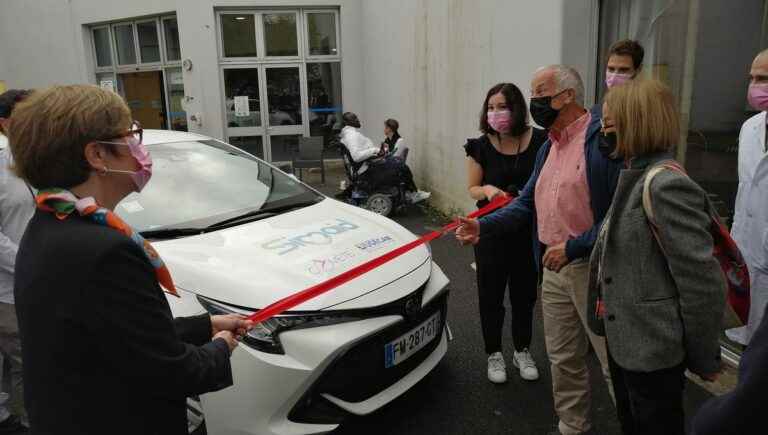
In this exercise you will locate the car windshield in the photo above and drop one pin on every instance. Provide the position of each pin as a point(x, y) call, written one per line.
point(196, 184)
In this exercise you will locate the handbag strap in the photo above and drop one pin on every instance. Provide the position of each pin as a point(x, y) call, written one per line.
point(648, 204)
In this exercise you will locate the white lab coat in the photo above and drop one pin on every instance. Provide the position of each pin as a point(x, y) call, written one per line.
point(360, 147)
point(750, 222)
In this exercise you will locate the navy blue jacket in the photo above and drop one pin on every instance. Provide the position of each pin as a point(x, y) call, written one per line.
point(742, 411)
point(602, 177)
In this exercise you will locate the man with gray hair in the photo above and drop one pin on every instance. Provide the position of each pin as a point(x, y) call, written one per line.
point(565, 200)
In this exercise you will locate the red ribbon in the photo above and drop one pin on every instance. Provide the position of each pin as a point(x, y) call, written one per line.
point(316, 290)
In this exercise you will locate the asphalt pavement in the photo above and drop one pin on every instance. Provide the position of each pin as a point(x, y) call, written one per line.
point(457, 398)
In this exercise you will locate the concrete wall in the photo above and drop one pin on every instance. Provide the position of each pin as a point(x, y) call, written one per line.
point(38, 44)
point(429, 64)
point(580, 42)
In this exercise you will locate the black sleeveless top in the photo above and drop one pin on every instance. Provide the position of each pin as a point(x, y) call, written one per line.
point(502, 170)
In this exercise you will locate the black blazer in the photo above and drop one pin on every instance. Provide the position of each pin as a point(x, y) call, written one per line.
point(102, 353)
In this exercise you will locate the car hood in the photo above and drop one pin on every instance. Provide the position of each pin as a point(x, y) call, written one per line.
point(257, 263)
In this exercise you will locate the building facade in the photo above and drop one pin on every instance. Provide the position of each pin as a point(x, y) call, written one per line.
point(260, 73)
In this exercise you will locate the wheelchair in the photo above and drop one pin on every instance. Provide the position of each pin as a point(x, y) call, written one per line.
point(382, 198)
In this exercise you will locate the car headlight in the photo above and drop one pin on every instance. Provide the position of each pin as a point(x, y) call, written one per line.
point(265, 336)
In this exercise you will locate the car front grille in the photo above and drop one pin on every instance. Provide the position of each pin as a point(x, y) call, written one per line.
point(359, 373)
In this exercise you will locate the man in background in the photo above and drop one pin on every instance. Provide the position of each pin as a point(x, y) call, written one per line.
point(17, 205)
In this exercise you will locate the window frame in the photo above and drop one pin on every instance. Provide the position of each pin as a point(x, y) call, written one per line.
point(307, 55)
point(261, 41)
point(116, 69)
point(220, 36)
point(159, 42)
point(167, 91)
point(306, 85)
point(164, 48)
point(262, 63)
point(254, 130)
point(134, 38)
point(299, 35)
point(112, 54)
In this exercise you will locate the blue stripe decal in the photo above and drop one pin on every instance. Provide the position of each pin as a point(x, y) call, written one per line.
point(325, 109)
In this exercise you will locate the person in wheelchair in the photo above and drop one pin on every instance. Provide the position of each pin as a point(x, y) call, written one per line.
point(375, 167)
point(393, 142)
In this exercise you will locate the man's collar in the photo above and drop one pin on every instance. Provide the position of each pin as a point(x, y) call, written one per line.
point(574, 128)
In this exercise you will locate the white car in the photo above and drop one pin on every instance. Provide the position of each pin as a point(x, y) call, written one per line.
point(239, 234)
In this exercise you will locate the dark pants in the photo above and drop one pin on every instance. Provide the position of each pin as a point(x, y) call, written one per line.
point(506, 263)
point(389, 171)
point(649, 403)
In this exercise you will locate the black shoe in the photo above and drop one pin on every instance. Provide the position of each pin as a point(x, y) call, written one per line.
point(12, 425)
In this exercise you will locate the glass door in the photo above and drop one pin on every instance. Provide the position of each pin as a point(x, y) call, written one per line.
point(264, 107)
point(243, 108)
point(284, 109)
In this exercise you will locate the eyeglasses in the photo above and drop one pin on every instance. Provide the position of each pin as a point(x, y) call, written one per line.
point(135, 131)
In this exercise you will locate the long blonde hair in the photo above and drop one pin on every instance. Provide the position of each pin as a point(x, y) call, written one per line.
point(645, 116)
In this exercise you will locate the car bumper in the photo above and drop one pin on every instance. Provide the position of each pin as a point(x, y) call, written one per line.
point(326, 373)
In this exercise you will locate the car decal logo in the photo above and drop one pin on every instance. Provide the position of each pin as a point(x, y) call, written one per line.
point(374, 244)
point(321, 236)
point(320, 266)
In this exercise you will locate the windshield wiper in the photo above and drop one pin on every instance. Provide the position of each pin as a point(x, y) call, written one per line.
point(171, 233)
point(263, 213)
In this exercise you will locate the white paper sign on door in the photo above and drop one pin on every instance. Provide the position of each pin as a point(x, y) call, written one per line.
point(241, 106)
point(108, 85)
point(176, 78)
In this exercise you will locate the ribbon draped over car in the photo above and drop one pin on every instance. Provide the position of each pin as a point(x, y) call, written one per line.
point(300, 297)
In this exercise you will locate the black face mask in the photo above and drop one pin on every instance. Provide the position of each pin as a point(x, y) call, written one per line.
point(542, 111)
point(608, 144)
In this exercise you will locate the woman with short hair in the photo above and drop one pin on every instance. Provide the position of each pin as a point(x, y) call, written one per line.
point(102, 353)
point(658, 299)
point(392, 140)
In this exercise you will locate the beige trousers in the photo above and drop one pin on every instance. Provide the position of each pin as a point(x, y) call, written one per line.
point(564, 304)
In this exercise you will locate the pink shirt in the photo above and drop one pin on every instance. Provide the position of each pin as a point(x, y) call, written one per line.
point(562, 193)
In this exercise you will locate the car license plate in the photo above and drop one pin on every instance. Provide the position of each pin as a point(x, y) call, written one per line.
point(401, 349)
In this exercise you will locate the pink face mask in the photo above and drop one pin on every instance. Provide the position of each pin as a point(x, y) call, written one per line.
point(758, 96)
point(500, 120)
point(141, 154)
point(616, 79)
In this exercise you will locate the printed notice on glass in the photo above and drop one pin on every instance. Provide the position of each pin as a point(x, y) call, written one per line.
point(241, 106)
point(108, 85)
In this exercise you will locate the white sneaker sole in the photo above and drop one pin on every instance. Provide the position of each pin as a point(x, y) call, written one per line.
point(525, 377)
point(498, 381)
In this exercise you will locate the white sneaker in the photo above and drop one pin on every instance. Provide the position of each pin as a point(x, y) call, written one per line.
point(418, 196)
point(497, 370)
point(524, 361)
